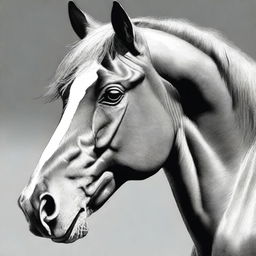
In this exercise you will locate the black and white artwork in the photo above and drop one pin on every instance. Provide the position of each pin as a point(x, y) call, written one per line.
point(128, 127)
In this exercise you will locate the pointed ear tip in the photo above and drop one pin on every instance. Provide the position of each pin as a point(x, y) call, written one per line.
point(70, 3)
point(116, 4)
point(117, 9)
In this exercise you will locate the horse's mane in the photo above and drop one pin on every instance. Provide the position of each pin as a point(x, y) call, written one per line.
point(237, 69)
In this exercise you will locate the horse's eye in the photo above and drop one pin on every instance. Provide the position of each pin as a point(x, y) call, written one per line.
point(112, 96)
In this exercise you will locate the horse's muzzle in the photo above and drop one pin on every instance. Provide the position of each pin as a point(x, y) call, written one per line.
point(39, 214)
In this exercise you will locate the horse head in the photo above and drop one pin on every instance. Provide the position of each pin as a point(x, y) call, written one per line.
point(117, 124)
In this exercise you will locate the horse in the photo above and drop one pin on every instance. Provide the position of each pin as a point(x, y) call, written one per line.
point(145, 94)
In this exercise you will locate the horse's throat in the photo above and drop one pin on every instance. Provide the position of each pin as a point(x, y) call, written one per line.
point(202, 183)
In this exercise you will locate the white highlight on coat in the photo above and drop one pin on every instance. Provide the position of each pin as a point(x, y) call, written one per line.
point(77, 92)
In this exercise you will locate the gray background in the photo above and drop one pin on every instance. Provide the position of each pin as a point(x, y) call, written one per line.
point(142, 218)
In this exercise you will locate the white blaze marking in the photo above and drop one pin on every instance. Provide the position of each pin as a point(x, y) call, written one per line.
point(77, 92)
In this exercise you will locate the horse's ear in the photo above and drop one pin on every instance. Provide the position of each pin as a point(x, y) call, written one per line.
point(80, 22)
point(124, 28)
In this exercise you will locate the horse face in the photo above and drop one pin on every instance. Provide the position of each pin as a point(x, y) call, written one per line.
point(114, 127)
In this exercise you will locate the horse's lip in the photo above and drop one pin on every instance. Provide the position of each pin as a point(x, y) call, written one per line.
point(66, 236)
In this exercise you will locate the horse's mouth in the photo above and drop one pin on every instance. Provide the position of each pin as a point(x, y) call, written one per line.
point(71, 236)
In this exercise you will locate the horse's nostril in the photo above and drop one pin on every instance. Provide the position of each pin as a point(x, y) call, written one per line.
point(48, 208)
point(49, 205)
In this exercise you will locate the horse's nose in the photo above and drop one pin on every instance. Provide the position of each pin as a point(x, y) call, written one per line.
point(21, 202)
point(27, 209)
point(48, 210)
point(40, 217)
point(25, 206)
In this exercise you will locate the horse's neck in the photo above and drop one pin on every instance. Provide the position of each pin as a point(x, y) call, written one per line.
point(236, 230)
point(204, 97)
point(200, 182)
point(236, 68)
point(213, 197)
point(209, 168)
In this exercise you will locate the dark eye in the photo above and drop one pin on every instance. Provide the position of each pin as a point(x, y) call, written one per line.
point(112, 96)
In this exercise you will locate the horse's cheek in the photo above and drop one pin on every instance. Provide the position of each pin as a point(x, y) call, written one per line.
point(162, 141)
point(105, 123)
point(145, 139)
